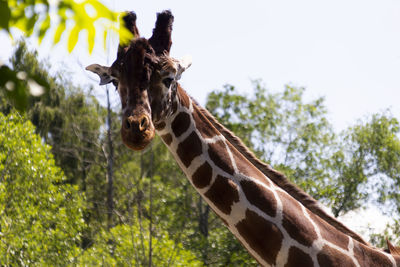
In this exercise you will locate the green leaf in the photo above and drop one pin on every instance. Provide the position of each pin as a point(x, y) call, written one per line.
point(91, 35)
point(105, 40)
point(45, 25)
point(41, 223)
point(59, 31)
point(5, 15)
point(73, 37)
point(125, 36)
point(30, 24)
point(102, 10)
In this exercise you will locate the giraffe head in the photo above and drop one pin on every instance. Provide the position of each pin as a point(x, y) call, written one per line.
point(146, 78)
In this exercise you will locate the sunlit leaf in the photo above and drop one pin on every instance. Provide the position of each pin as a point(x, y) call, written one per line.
point(73, 37)
point(31, 18)
point(102, 10)
point(59, 31)
point(125, 36)
point(44, 27)
point(91, 35)
point(105, 39)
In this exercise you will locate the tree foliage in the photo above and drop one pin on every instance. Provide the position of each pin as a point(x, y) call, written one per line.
point(347, 171)
point(368, 166)
point(293, 136)
point(33, 18)
point(40, 217)
point(66, 118)
point(127, 245)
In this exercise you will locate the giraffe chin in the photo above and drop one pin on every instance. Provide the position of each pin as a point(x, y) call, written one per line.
point(138, 143)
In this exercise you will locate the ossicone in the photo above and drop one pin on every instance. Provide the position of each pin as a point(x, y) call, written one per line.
point(161, 38)
point(129, 19)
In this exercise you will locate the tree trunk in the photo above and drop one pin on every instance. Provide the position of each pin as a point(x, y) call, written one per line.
point(151, 207)
point(110, 158)
point(204, 211)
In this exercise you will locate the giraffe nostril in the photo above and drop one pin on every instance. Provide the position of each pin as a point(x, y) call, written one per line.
point(135, 124)
point(144, 123)
point(127, 124)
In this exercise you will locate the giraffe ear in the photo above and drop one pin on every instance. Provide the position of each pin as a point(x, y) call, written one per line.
point(183, 64)
point(103, 73)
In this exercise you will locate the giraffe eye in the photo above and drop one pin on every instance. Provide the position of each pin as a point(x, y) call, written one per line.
point(167, 82)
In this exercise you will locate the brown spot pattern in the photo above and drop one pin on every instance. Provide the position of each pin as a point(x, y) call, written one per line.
point(297, 257)
point(329, 233)
point(330, 257)
point(295, 223)
point(262, 236)
point(219, 155)
point(259, 197)
point(159, 126)
point(202, 176)
point(204, 126)
point(369, 257)
point(167, 138)
point(180, 124)
point(223, 193)
point(189, 148)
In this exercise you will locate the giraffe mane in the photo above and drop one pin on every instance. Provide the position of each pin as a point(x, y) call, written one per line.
point(279, 178)
point(167, 63)
point(392, 249)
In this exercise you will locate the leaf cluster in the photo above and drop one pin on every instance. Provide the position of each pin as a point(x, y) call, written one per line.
point(35, 18)
point(40, 217)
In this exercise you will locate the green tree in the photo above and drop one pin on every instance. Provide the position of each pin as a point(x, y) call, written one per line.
point(70, 120)
point(368, 171)
point(346, 171)
point(293, 136)
point(40, 217)
point(368, 165)
point(127, 245)
point(67, 118)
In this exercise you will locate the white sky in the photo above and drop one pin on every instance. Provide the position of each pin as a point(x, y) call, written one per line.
point(345, 50)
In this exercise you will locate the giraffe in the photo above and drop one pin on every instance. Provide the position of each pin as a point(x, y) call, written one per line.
point(278, 223)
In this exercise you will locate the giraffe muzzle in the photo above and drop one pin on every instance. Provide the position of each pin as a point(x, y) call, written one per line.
point(135, 124)
point(137, 131)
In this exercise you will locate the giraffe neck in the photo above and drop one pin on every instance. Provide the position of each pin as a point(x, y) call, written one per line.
point(275, 228)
